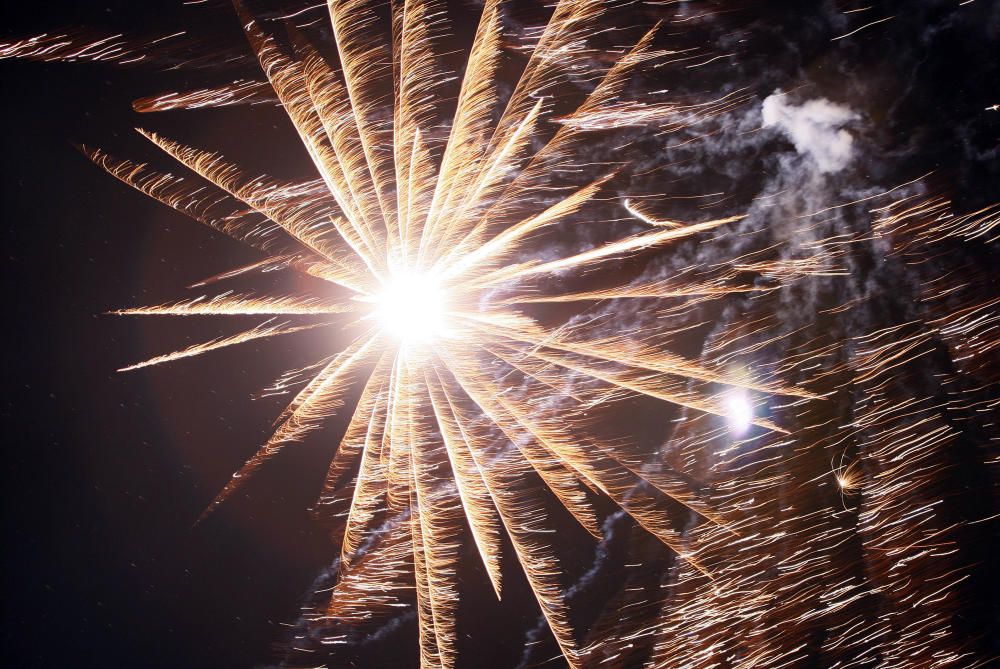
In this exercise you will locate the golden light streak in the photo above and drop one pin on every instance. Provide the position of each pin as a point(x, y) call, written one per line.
point(239, 92)
point(231, 304)
point(612, 249)
point(262, 331)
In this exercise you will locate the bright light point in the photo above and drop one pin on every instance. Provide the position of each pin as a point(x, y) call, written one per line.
point(739, 413)
point(411, 308)
point(842, 482)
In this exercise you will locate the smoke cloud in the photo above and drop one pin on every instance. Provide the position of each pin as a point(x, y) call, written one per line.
point(815, 128)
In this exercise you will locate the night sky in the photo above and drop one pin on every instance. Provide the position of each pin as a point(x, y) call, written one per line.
point(105, 473)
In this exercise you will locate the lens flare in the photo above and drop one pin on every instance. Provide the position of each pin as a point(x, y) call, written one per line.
point(739, 413)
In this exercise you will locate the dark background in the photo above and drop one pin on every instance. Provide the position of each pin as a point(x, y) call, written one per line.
point(104, 473)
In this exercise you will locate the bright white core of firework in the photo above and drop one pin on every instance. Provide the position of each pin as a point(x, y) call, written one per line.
point(411, 308)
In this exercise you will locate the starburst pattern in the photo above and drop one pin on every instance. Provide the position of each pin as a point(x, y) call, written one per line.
point(428, 245)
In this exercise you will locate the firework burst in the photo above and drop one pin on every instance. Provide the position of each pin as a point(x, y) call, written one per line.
point(427, 240)
point(474, 236)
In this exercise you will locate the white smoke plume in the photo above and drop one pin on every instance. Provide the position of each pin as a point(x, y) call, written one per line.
point(815, 128)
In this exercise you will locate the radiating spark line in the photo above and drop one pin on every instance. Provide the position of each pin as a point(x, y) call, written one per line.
point(611, 249)
point(239, 92)
point(231, 304)
point(265, 265)
point(867, 25)
point(266, 329)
